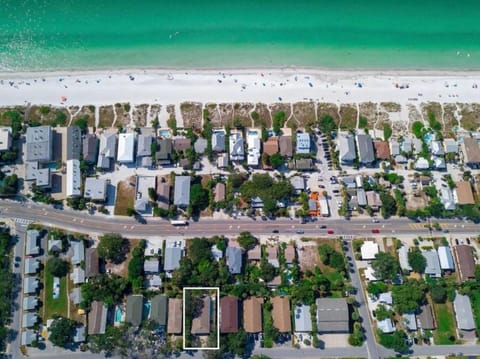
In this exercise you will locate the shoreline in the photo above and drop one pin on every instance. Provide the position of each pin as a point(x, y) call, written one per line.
point(288, 70)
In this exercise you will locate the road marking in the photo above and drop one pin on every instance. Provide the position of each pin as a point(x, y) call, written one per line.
point(124, 227)
point(364, 226)
point(82, 221)
point(74, 219)
point(132, 227)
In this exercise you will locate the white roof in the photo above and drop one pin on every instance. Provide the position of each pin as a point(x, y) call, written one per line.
point(385, 298)
point(253, 150)
point(386, 326)
point(370, 274)
point(422, 164)
point(126, 144)
point(446, 258)
point(369, 249)
point(73, 178)
point(403, 258)
point(303, 143)
point(324, 211)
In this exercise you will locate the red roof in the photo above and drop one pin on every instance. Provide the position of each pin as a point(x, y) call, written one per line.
point(383, 149)
point(228, 314)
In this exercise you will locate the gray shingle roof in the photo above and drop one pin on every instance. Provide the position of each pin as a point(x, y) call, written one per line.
point(218, 141)
point(144, 143)
point(234, 259)
point(164, 149)
point(134, 309)
point(425, 317)
point(78, 275)
point(158, 309)
point(463, 312)
point(433, 263)
point(97, 318)
point(31, 246)
point(30, 285)
point(28, 337)
point(346, 147)
point(151, 266)
point(90, 148)
point(78, 250)
point(365, 149)
point(182, 191)
point(172, 258)
point(200, 145)
point(31, 265)
point(30, 303)
point(29, 320)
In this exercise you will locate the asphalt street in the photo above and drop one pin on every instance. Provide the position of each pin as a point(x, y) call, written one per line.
point(98, 224)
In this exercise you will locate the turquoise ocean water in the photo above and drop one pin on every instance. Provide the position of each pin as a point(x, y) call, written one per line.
point(93, 34)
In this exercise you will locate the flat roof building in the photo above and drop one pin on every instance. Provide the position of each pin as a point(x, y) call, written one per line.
point(303, 143)
point(39, 144)
point(95, 189)
point(74, 143)
point(303, 319)
point(5, 138)
point(369, 250)
point(332, 315)
point(74, 178)
point(126, 147)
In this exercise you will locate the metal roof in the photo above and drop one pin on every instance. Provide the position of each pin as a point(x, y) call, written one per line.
point(433, 263)
point(181, 195)
point(126, 147)
point(74, 178)
point(446, 258)
point(332, 315)
point(463, 312)
point(172, 258)
point(234, 259)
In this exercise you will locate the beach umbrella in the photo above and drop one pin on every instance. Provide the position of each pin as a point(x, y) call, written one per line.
point(63, 99)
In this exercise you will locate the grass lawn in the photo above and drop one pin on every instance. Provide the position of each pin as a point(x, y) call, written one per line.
point(445, 324)
point(475, 299)
point(333, 276)
point(125, 196)
point(55, 306)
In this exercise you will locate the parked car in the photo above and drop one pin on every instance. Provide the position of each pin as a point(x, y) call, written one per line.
point(300, 231)
point(275, 231)
point(375, 230)
point(330, 231)
point(323, 226)
point(456, 241)
point(468, 240)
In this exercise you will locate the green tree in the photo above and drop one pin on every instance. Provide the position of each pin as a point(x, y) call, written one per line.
point(387, 132)
point(417, 129)
point(247, 240)
point(278, 121)
point(113, 247)
point(408, 296)
point(327, 124)
point(376, 288)
point(268, 271)
point(108, 288)
point(396, 341)
point(417, 261)
point(276, 160)
point(82, 122)
point(198, 197)
point(237, 342)
point(389, 205)
point(61, 332)
point(337, 261)
point(386, 266)
point(438, 293)
point(57, 267)
point(383, 313)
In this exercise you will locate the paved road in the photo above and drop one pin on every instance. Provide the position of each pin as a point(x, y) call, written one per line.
point(98, 224)
point(370, 343)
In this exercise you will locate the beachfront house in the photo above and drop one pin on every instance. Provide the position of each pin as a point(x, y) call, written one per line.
point(382, 150)
point(394, 147)
point(126, 148)
point(303, 143)
point(90, 148)
point(237, 152)
point(107, 150)
point(366, 155)
point(5, 138)
point(218, 141)
point(285, 143)
point(39, 144)
point(74, 179)
point(74, 143)
point(253, 143)
point(471, 152)
point(346, 148)
point(450, 145)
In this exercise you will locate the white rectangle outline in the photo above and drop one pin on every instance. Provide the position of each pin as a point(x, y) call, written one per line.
point(218, 317)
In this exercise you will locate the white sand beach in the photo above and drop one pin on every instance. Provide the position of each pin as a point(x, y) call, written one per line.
point(261, 85)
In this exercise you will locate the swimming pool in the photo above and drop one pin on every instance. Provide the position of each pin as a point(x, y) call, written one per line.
point(118, 315)
point(165, 133)
point(428, 137)
point(146, 310)
point(253, 133)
